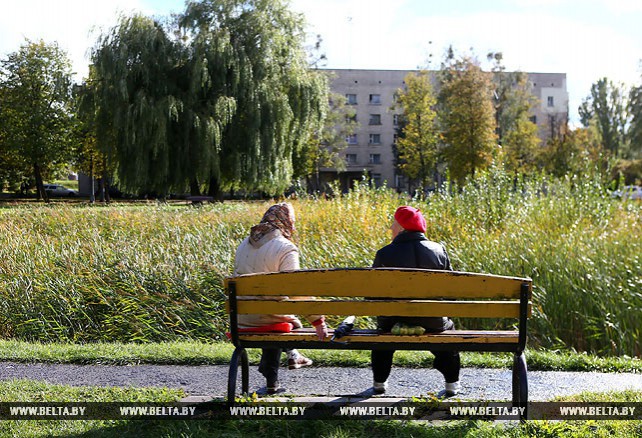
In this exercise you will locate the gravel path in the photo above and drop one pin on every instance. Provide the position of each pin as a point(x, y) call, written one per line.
point(477, 383)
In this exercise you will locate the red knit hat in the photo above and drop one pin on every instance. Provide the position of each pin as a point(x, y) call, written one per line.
point(410, 219)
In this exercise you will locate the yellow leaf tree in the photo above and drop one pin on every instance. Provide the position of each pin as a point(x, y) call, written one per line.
point(467, 117)
point(418, 139)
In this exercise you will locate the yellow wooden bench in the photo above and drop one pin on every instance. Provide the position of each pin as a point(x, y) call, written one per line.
point(367, 292)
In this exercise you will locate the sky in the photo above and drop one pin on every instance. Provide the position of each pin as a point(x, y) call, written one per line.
point(587, 39)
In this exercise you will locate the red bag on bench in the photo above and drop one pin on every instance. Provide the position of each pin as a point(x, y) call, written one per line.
point(279, 327)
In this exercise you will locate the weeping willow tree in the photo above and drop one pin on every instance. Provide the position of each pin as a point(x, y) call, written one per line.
point(157, 113)
point(220, 97)
point(279, 100)
point(89, 158)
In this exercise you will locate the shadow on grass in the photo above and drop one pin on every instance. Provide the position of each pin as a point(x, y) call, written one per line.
point(284, 428)
point(366, 428)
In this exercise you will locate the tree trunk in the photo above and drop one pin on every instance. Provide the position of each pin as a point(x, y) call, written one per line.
point(40, 188)
point(317, 181)
point(214, 189)
point(92, 188)
point(194, 188)
point(101, 184)
point(105, 181)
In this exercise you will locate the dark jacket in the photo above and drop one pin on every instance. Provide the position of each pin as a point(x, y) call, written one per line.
point(413, 250)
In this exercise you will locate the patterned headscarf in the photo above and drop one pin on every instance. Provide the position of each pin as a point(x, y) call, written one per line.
point(277, 217)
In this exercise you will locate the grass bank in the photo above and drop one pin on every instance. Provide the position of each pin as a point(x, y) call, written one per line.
point(219, 353)
point(142, 273)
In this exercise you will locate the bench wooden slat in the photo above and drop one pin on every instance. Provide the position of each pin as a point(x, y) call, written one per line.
point(379, 282)
point(409, 292)
point(447, 337)
point(468, 309)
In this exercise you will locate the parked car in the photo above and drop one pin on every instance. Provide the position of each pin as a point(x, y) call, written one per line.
point(59, 190)
point(629, 192)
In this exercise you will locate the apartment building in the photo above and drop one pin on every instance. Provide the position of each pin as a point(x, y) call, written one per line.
point(370, 149)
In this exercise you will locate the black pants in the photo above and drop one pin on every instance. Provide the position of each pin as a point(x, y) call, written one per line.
point(446, 362)
point(270, 362)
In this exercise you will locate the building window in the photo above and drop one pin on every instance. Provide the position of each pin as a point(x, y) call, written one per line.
point(399, 181)
point(352, 139)
point(351, 119)
point(551, 101)
point(375, 99)
point(375, 158)
point(374, 139)
point(375, 119)
point(351, 99)
point(533, 119)
point(376, 179)
point(351, 158)
point(395, 119)
point(395, 137)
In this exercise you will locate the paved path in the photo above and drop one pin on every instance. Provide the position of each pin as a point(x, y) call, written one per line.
point(487, 384)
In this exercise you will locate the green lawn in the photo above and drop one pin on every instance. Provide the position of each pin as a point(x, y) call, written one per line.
point(30, 391)
point(219, 353)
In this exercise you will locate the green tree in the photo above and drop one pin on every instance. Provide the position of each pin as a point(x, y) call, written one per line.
point(37, 112)
point(325, 145)
point(514, 102)
point(417, 143)
point(280, 100)
point(13, 170)
point(634, 134)
point(219, 97)
point(606, 105)
point(156, 112)
point(467, 117)
point(575, 152)
point(521, 146)
point(89, 158)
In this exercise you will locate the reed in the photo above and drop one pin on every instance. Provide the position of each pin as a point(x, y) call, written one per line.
point(154, 272)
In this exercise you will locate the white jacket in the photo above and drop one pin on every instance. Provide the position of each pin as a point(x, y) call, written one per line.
point(273, 253)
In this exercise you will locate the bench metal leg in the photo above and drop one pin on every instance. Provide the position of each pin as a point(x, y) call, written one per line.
point(245, 372)
point(239, 353)
point(520, 383)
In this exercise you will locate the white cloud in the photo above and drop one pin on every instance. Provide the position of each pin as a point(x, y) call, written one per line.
point(622, 6)
point(69, 22)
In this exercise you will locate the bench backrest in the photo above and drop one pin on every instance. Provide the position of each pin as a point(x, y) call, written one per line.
point(380, 292)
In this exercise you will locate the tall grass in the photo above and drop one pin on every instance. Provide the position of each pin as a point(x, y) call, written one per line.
point(132, 273)
point(582, 249)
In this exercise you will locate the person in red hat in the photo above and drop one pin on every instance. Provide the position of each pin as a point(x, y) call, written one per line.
point(411, 249)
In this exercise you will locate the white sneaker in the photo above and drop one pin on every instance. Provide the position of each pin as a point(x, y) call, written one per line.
point(452, 389)
point(379, 387)
point(296, 360)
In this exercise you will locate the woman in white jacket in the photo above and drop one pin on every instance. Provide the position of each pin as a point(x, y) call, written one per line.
point(269, 248)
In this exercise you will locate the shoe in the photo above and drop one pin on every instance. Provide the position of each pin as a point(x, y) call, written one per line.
point(273, 387)
point(452, 389)
point(379, 387)
point(298, 361)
